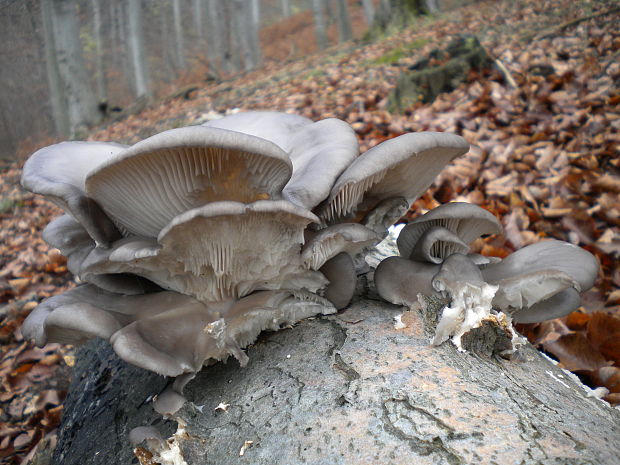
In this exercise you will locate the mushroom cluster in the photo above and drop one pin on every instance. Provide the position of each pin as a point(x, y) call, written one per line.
point(536, 283)
point(191, 242)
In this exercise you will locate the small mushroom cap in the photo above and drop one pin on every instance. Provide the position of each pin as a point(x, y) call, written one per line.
point(144, 187)
point(340, 271)
point(329, 242)
point(576, 262)
point(142, 433)
point(524, 290)
point(67, 235)
point(59, 172)
point(436, 244)
point(399, 280)
point(385, 214)
point(79, 322)
point(401, 167)
point(456, 268)
point(465, 220)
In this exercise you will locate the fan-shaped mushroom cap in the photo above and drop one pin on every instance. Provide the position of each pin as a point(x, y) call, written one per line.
point(525, 290)
point(340, 271)
point(329, 242)
point(232, 245)
point(59, 172)
point(144, 187)
point(320, 152)
point(436, 244)
point(557, 306)
point(401, 167)
point(270, 125)
point(399, 280)
point(576, 262)
point(465, 220)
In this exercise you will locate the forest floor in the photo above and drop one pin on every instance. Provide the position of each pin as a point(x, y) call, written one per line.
point(545, 137)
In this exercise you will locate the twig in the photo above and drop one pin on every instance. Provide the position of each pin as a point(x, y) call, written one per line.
point(509, 79)
point(556, 29)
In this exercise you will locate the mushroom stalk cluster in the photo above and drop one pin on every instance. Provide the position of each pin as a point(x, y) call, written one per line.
point(538, 282)
point(191, 242)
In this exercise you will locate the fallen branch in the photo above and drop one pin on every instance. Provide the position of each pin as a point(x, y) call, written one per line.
point(550, 32)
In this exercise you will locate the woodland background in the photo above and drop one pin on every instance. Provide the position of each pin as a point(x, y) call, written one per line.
point(543, 123)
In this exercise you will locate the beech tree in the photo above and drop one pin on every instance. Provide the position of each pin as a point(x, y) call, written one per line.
point(136, 47)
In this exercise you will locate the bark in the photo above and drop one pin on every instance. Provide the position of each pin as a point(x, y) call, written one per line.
point(318, 9)
point(178, 34)
point(78, 95)
point(57, 98)
point(256, 14)
point(136, 48)
point(348, 388)
point(344, 22)
point(396, 13)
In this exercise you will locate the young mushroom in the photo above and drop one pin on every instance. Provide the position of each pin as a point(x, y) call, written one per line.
point(539, 282)
point(194, 240)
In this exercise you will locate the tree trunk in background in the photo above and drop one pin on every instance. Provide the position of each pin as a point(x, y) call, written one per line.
point(285, 6)
point(232, 33)
point(215, 36)
point(256, 14)
point(60, 113)
point(344, 22)
point(99, 70)
point(345, 389)
point(198, 27)
point(432, 6)
point(178, 34)
point(79, 97)
point(318, 9)
point(136, 48)
point(246, 33)
point(397, 13)
point(369, 11)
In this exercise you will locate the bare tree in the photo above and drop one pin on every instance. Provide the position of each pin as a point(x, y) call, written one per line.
point(99, 69)
point(79, 98)
point(369, 10)
point(285, 6)
point(318, 9)
point(197, 14)
point(178, 34)
point(256, 13)
point(60, 115)
point(344, 22)
point(136, 47)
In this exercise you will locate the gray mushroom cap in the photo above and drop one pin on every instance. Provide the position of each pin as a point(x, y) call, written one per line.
point(329, 242)
point(59, 171)
point(436, 244)
point(340, 271)
point(465, 220)
point(401, 167)
point(579, 264)
point(557, 306)
point(456, 268)
point(399, 280)
point(147, 185)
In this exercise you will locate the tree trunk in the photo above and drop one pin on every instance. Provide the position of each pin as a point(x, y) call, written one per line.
point(432, 6)
point(348, 388)
point(344, 22)
point(79, 98)
point(215, 35)
point(285, 7)
point(318, 8)
point(396, 13)
point(99, 69)
point(178, 34)
point(60, 113)
point(369, 11)
point(256, 14)
point(198, 27)
point(244, 28)
point(136, 48)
